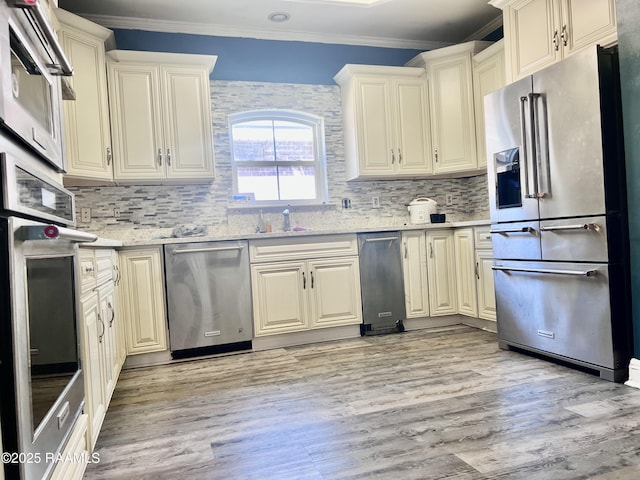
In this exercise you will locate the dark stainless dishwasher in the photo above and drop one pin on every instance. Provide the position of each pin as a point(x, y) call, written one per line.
point(208, 297)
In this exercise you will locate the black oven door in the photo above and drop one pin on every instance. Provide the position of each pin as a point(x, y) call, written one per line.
point(40, 350)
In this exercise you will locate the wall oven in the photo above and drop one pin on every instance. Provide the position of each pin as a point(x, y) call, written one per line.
point(31, 65)
point(42, 384)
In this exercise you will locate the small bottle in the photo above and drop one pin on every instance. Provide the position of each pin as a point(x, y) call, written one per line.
point(261, 227)
point(287, 221)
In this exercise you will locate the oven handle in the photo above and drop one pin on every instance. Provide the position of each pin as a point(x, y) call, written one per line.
point(64, 66)
point(515, 230)
point(574, 273)
point(53, 232)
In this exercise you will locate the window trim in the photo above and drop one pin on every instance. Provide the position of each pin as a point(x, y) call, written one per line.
point(320, 163)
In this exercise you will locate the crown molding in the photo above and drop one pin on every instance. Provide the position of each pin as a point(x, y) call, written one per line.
point(129, 23)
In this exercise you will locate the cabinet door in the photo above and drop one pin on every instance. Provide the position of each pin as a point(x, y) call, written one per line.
point(143, 305)
point(414, 269)
point(531, 26)
point(108, 315)
point(375, 135)
point(486, 289)
point(441, 273)
point(188, 138)
point(86, 120)
point(488, 76)
point(280, 298)
point(452, 122)
point(93, 329)
point(136, 122)
point(587, 22)
point(413, 137)
point(466, 274)
point(334, 292)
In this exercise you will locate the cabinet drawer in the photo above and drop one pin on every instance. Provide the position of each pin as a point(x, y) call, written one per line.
point(317, 246)
point(104, 265)
point(482, 237)
point(87, 269)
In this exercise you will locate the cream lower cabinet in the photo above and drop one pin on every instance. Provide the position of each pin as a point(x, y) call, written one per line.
point(386, 121)
point(143, 301)
point(160, 117)
point(441, 274)
point(414, 269)
point(466, 272)
point(318, 285)
point(474, 275)
point(88, 156)
point(538, 33)
point(100, 334)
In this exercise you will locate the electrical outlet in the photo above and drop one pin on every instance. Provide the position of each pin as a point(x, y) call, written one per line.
point(375, 202)
point(116, 213)
point(449, 199)
point(85, 215)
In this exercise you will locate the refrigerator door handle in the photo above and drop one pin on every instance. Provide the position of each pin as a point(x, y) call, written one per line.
point(535, 144)
point(525, 146)
point(550, 271)
point(540, 145)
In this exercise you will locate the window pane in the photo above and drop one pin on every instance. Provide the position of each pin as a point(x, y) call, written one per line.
point(262, 181)
point(253, 141)
point(294, 142)
point(297, 183)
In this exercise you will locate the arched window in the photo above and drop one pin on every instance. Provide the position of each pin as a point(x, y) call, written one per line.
point(278, 156)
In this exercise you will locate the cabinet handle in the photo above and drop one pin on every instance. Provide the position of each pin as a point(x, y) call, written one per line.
point(399, 156)
point(109, 156)
point(113, 313)
point(430, 250)
point(436, 155)
point(563, 35)
point(393, 157)
point(168, 156)
point(556, 46)
point(405, 250)
point(304, 281)
point(312, 279)
point(103, 329)
point(477, 272)
point(160, 156)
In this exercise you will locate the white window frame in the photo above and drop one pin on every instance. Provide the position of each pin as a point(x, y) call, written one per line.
point(320, 164)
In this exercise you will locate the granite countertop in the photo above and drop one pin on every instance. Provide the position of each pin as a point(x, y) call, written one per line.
point(148, 237)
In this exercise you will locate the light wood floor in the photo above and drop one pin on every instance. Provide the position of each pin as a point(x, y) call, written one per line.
point(431, 404)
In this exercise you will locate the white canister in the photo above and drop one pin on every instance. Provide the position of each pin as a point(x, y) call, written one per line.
point(420, 210)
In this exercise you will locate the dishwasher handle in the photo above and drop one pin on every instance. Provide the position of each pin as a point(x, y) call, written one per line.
point(381, 239)
point(550, 271)
point(207, 249)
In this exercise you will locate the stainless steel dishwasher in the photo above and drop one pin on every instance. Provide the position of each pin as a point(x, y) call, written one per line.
point(208, 297)
point(382, 283)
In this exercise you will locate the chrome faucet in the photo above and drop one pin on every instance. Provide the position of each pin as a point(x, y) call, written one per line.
point(287, 221)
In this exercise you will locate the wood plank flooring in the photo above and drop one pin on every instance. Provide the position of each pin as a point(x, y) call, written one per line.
point(442, 403)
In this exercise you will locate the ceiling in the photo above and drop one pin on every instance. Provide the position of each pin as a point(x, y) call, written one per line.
point(420, 24)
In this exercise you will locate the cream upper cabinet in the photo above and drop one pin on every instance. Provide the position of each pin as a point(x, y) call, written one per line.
point(466, 272)
point(143, 302)
point(441, 272)
point(86, 119)
point(488, 76)
point(540, 32)
point(453, 130)
point(386, 121)
point(160, 117)
point(414, 270)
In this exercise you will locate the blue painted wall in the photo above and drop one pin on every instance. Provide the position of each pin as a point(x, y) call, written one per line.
point(248, 59)
point(628, 13)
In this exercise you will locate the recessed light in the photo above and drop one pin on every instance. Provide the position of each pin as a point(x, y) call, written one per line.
point(279, 17)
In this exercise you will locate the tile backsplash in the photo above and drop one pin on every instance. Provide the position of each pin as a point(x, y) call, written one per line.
point(169, 206)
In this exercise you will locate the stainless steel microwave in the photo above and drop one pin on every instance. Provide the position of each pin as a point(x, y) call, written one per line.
point(31, 65)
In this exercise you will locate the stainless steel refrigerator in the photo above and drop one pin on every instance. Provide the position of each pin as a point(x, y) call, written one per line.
point(557, 196)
